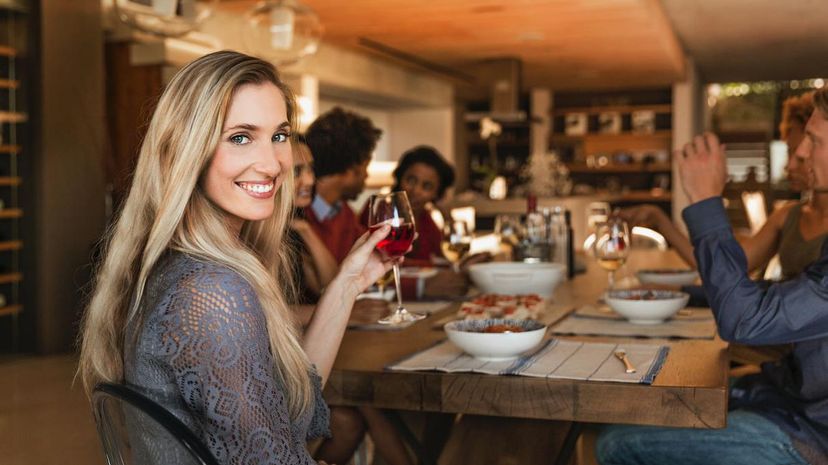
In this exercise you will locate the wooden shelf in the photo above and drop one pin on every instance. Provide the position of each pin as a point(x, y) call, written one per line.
point(19, 6)
point(10, 181)
point(9, 84)
point(11, 213)
point(621, 137)
point(665, 108)
point(12, 149)
point(617, 168)
point(646, 196)
point(7, 51)
point(10, 245)
point(9, 117)
point(11, 310)
point(11, 278)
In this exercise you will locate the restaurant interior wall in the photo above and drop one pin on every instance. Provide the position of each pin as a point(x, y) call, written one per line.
point(68, 178)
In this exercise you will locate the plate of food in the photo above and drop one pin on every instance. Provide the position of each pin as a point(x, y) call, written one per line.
point(495, 340)
point(646, 306)
point(514, 307)
point(668, 276)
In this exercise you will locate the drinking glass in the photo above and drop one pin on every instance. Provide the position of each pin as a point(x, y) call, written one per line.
point(509, 229)
point(456, 242)
point(394, 210)
point(611, 247)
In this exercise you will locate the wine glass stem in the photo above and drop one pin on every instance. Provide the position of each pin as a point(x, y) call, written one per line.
point(399, 288)
point(611, 280)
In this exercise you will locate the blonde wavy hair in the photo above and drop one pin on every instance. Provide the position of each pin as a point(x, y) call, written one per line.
point(167, 209)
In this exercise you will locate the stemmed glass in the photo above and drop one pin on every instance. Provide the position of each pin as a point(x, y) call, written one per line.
point(456, 242)
point(394, 210)
point(612, 245)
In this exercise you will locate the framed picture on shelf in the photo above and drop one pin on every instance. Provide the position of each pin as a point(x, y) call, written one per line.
point(643, 121)
point(609, 122)
point(575, 124)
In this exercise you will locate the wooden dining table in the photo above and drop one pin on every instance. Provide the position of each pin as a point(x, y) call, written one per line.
point(691, 390)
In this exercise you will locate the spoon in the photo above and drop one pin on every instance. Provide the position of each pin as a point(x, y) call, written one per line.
point(622, 355)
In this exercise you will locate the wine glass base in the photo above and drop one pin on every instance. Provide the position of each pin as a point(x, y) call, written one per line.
point(401, 316)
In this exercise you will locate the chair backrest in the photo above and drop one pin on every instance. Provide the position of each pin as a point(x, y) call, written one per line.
point(135, 430)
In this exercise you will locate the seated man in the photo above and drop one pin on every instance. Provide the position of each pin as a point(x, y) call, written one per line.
point(781, 415)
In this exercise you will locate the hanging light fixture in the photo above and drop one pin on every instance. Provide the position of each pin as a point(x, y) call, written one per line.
point(165, 18)
point(283, 31)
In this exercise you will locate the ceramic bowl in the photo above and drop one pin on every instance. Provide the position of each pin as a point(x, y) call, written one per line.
point(514, 278)
point(469, 335)
point(646, 307)
point(669, 277)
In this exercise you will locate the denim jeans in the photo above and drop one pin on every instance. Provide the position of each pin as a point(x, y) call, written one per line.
point(749, 439)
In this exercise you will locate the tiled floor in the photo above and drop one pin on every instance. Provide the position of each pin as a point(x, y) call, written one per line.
point(44, 418)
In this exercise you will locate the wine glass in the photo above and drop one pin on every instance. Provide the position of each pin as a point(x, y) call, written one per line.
point(612, 245)
point(509, 229)
point(394, 210)
point(456, 242)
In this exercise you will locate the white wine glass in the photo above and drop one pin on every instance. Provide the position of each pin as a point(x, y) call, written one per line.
point(612, 246)
point(456, 242)
point(394, 210)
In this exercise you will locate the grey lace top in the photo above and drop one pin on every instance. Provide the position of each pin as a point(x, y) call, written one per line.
point(202, 351)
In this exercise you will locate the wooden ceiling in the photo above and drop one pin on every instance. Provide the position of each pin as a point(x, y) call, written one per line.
point(587, 44)
point(751, 40)
point(563, 44)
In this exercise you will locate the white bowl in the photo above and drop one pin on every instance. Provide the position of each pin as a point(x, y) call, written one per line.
point(669, 277)
point(513, 278)
point(636, 305)
point(494, 347)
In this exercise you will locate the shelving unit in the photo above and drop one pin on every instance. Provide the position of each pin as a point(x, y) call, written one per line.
point(13, 119)
point(512, 146)
point(633, 163)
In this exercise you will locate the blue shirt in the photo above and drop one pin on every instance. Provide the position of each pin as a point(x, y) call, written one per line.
point(792, 392)
point(323, 210)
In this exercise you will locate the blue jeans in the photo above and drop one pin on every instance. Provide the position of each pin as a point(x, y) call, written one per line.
point(749, 439)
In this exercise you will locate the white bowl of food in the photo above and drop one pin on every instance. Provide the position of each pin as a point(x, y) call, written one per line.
point(495, 340)
point(644, 306)
point(514, 278)
point(668, 276)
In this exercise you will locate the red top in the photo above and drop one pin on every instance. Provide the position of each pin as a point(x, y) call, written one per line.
point(338, 232)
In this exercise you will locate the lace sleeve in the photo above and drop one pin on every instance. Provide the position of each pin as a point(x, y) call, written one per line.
point(220, 356)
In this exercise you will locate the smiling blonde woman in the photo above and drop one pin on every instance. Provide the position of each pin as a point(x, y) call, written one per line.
point(190, 301)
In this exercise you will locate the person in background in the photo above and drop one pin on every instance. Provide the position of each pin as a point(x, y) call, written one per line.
point(779, 416)
point(190, 303)
point(796, 230)
point(425, 175)
point(315, 269)
point(316, 266)
point(342, 143)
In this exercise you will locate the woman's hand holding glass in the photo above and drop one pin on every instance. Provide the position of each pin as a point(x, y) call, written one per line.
point(364, 265)
point(394, 210)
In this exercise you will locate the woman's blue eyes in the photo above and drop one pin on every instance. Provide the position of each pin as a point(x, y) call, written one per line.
point(239, 139)
point(242, 139)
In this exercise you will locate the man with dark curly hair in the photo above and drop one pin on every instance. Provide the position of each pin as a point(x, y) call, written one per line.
point(342, 143)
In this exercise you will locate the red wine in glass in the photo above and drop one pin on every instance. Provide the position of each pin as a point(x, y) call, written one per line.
point(398, 240)
point(394, 210)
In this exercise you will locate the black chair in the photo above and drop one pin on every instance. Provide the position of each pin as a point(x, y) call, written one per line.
point(135, 430)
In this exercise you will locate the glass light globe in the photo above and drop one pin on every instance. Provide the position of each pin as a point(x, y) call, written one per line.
point(283, 31)
point(166, 18)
